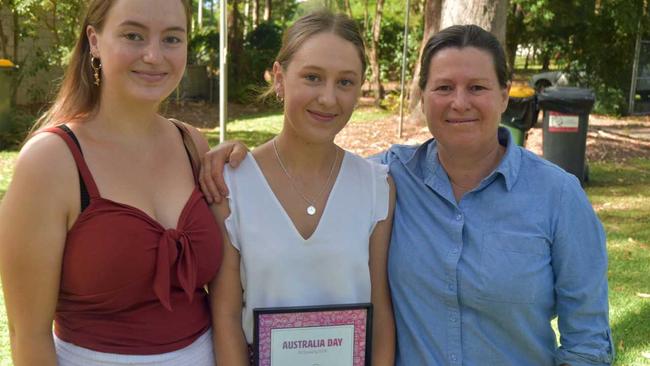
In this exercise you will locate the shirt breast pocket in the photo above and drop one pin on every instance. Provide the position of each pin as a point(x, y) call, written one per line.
point(514, 268)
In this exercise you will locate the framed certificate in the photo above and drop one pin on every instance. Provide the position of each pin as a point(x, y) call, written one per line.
point(332, 335)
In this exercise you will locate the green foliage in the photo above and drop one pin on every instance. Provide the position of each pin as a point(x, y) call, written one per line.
point(610, 100)
point(14, 127)
point(204, 46)
point(593, 41)
point(262, 45)
point(391, 43)
point(34, 20)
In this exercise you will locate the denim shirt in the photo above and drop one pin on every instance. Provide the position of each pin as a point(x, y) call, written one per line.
point(477, 282)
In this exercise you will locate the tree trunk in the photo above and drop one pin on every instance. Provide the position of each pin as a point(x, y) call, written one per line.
point(16, 22)
point(17, 79)
point(515, 28)
point(374, 53)
point(235, 41)
point(365, 16)
point(527, 59)
point(267, 10)
point(489, 14)
point(432, 13)
point(199, 15)
point(546, 61)
point(3, 40)
point(348, 8)
point(283, 13)
point(256, 13)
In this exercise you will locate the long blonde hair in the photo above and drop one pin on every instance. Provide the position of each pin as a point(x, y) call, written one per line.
point(78, 97)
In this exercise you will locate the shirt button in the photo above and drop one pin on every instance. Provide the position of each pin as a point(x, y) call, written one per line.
point(454, 251)
point(453, 357)
point(459, 217)
point(450, 287)
point(453, 319)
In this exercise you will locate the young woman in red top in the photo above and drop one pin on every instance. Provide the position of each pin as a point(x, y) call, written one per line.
point(103, 229)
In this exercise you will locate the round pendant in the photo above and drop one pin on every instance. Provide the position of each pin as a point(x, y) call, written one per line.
point(311, 210)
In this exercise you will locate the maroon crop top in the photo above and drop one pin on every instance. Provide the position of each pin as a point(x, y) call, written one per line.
point(128, 285)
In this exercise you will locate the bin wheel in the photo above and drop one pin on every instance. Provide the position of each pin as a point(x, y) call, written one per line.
point(542, 84)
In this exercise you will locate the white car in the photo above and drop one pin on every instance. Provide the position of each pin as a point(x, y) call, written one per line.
point(543, 80)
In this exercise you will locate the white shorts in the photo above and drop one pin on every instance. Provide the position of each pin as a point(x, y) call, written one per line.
point(199, 353)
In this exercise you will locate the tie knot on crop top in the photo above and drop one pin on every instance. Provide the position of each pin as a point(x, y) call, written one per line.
point(175, 247)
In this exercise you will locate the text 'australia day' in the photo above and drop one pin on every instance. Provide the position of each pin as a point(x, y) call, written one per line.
point(313, 343)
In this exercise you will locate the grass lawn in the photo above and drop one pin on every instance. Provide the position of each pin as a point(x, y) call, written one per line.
point(619, 193)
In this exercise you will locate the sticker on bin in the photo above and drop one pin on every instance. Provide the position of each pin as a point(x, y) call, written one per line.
point(559, 122)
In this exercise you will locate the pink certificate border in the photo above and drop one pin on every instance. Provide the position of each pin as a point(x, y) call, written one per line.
point(358, 315)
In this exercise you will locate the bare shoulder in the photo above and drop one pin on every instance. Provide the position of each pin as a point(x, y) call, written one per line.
point(44, 159)
point(45, 181)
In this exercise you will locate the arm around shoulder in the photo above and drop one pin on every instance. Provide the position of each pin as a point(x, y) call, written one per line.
point(34, 218)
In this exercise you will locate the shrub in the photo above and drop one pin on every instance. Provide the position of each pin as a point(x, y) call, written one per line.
point(14, 127)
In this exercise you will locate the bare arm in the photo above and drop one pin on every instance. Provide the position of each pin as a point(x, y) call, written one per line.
point(383, 324)
point(34, 217)
point(225, 290)
point(211, 178)
point(226, 302)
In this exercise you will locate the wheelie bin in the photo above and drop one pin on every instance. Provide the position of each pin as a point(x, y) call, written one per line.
point(520, 115)
point(566, 119)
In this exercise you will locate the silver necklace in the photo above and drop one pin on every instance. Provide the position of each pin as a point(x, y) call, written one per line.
point(311, 209)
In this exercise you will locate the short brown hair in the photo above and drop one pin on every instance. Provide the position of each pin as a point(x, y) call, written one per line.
point(461, 36)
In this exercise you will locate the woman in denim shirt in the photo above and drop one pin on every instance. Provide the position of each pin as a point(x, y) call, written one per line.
point(489, 242)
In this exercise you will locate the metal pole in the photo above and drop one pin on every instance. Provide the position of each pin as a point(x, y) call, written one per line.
point(635, 68)
point(223, 69)
point(404, 52)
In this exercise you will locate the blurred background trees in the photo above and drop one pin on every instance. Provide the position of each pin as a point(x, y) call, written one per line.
point(591, 40)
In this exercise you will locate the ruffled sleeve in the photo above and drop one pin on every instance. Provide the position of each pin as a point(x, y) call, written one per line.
point(232, 221)
point(381, 191)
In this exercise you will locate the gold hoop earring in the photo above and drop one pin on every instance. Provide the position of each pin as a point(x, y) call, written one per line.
point(96, 69)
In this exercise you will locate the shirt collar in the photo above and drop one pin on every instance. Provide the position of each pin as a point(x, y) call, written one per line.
point(511, 160)
point(434, 174)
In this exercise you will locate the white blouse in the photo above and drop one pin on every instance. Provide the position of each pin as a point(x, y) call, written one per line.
point(278, 266)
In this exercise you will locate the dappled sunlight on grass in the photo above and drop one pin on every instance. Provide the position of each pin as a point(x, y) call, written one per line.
point(369, 114)
point(252, 130)
point(7, 160)
point(621, 196)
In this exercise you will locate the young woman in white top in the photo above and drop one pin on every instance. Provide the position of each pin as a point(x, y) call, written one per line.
point(307, 222)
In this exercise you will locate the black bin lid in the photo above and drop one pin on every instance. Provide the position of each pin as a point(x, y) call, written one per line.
point(567, 99)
